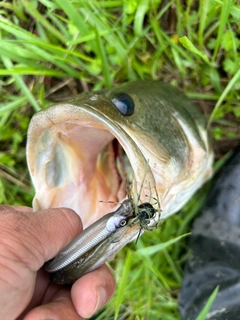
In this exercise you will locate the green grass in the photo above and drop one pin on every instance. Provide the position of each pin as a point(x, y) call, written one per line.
point(51, 50)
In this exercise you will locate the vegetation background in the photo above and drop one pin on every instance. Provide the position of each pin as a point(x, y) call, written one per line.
point(52, 50)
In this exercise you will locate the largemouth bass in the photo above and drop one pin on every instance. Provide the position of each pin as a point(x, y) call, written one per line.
point(79, 152)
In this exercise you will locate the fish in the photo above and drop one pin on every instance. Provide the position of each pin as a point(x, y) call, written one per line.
point(82, 151)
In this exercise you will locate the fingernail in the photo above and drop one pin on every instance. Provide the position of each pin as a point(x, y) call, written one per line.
point(102, 298)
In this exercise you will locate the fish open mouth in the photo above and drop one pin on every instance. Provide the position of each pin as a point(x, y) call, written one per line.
point(79, 162)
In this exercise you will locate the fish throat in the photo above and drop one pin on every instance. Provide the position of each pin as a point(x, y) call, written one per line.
point(82, 167)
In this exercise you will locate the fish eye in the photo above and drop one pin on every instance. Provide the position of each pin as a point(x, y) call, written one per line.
point(123, 222)
point(124, 103)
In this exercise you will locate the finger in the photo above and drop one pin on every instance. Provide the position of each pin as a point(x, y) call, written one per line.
point(27, 241)
point(41, 287)
point(57, 227)
point(4, 208)
point(38, 237)
point(93, 291)
point(60, 308)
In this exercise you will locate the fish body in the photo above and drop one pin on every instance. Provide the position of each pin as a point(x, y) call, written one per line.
point(78, 151)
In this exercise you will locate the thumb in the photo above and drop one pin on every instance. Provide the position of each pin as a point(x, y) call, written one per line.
point(36, 237)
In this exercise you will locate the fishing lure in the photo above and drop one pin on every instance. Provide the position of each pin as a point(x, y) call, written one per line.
point(94, 245)
point(102, 239)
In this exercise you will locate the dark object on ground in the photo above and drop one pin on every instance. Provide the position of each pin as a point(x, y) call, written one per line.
point(215, 243)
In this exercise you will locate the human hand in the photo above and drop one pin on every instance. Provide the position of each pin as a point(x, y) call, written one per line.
point(27, 241)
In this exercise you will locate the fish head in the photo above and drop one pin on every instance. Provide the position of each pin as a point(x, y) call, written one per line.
point(81, 152)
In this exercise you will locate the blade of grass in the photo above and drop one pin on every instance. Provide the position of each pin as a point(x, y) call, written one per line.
point(19, 55)
point(90, 37)
point(202, 96)
point(228, 88)
point(179, 62)
point(74, 16)
point(226, 5)
point(123, 283)
point(11, 106)
point(151, 266)
point(189, 46)
point(179, 12)
point(204, 312)
point(17, 31)
point(54, 49)
point(203, 11)
point(28, 71)
point(139, 17)
point(60, 62)
point(109, 4)
point(40, 18)
point(58, 21)
point(189, 4)
point(24, 35)
point(57, 55)
point(110, 37)
point(158, 247)
point(105, 65)
point(8, 64)
point(173, 267)
point(175, 46)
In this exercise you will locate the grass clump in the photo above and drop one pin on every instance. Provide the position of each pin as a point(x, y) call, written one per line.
point(51, 50)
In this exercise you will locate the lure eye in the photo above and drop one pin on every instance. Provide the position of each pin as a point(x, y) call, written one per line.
point(123, 222)
point(124, 103)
